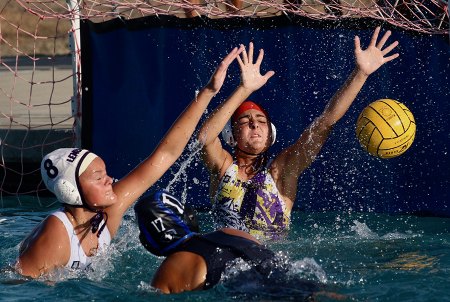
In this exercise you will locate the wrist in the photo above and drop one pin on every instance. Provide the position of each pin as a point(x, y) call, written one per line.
point(208, 91)
point(242, 89)
point(358, 73)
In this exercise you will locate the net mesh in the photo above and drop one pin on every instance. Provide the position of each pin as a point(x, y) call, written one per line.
point(40, 74)
point(423, 16)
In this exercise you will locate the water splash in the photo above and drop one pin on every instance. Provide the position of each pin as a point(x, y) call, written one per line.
point(181, 175)
point(146, 287)
point(363, 231)
point(286, 279)
point(308, 267)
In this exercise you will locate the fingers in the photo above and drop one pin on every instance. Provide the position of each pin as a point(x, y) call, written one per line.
point(250, 52)
point(383, 40)
point(390, 58)
point(357, 44)
point(231, 56)
point(244, 56)
point(223, 66)
point(241, 64)
point(226, 61)
point(389, 48)
point(241, 49)
point(260, 57)
point(247, 58)
point(268, 75)
point(375, 37)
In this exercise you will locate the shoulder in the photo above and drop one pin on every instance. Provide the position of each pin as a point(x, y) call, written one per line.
point(54, 226)
point(46, 247)
point(50, 229)
point(230, 167)
point(215, 157)
point(180, 271)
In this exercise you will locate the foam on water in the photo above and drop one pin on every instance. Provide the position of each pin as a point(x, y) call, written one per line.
point(309, 268)
point(367, 257)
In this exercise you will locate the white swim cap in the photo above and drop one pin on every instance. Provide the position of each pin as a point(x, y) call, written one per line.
point(60, 170)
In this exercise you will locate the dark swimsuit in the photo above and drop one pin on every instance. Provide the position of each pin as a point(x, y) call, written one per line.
point(163, 231)
point(219, 248)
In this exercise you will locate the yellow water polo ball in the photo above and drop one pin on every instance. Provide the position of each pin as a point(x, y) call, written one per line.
point(386, 128)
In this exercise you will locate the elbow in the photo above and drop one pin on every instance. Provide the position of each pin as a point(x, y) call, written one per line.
point(325, 123)
point(162, 285)
point(25, 270)
point(204, 137)
point(201, 137)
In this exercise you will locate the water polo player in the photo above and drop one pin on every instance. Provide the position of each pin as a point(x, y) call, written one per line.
point(248, 191)
point(197, 261)
point(92, 205)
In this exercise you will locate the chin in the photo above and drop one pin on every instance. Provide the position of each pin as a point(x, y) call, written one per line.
point(111, 197)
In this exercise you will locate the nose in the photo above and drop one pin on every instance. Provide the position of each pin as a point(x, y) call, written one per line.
point(109, 180)
point(253, 124)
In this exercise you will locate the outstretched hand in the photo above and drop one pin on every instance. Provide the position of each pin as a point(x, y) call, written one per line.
point(251, 77)
point(372, 58)
point(218, 77)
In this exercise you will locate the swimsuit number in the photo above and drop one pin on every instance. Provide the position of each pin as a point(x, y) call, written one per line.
point(52, 171)
point(159, 225)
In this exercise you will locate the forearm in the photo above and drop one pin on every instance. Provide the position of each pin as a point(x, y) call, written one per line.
point(300, 155)
point(166, 153)
point(212, 127)
point(179, 134)
point(344, 97)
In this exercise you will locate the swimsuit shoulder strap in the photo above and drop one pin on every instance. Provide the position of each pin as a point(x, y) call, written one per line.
point(78, 257)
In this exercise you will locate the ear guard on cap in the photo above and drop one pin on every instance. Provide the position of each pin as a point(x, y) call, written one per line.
point(60, 170)
point(160, 221)
point(228, 137)
point(64, 190)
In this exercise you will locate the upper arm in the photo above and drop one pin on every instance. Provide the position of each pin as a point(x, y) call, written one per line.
point(181, 271)
point(295, 159)
point(215, 158)
point(136, 182)
point(45, 249)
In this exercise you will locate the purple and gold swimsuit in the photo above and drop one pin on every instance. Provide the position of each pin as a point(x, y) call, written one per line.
point(253, 206)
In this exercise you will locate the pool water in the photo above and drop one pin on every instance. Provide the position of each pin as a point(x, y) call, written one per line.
point(359, 256)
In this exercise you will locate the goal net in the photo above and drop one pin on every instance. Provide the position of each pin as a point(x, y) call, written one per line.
point(40, 71)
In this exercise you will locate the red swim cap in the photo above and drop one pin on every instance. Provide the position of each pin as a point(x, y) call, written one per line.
point(247, 105)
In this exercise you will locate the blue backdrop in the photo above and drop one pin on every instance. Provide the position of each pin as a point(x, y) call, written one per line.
point(139, 75)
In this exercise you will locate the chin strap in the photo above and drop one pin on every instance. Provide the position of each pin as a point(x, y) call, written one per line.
point(96, 220)
point(260, 160)
point(248, 153)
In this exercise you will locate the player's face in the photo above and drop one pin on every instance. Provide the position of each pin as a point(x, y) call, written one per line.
point(97, 185)
point(252, 131)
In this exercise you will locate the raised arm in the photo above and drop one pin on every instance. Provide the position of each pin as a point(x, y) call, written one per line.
point(214, 155)
point(291, 162)
point(171, 146)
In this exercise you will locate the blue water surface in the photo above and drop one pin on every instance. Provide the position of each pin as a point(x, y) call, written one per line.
point(360, 256)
